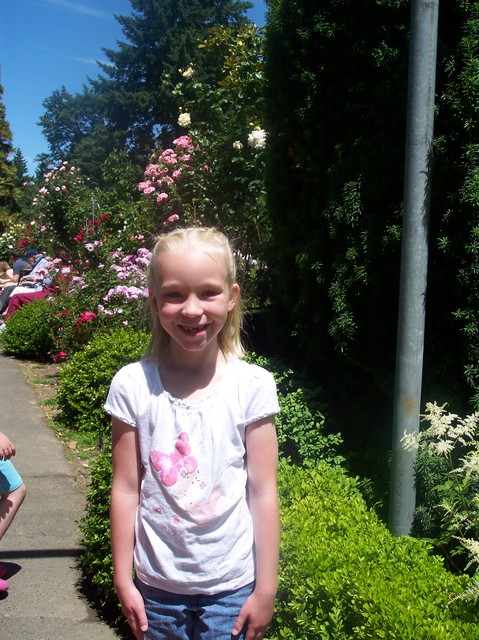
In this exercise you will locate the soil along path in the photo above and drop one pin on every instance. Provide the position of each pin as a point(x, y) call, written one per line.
point(41, 548)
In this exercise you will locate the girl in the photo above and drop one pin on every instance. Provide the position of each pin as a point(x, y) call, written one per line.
point(194, 503)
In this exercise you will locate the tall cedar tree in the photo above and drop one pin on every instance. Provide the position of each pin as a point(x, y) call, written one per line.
point(8, 171)
point(131, 105)
point(337, 92)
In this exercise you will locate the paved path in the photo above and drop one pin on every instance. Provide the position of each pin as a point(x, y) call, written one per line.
point(41, 547)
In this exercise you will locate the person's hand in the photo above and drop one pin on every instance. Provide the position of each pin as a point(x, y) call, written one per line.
point(7, 449)
point(134, 609)
point(256, 614)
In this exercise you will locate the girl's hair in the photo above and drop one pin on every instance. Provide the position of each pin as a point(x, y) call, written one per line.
point(216, 245)
point(4, 267)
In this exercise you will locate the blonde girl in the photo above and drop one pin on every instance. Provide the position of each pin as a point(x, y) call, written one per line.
point(194, 505)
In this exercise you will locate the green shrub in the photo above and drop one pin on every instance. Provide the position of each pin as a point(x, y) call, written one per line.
point(85, 380)
point(95, 526)
point(343, 575)
point(300, 425)
point(27, 332)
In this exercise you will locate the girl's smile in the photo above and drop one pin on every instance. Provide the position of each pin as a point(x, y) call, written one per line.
point(192, 298)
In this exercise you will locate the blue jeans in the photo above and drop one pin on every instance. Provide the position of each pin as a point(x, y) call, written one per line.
point(198, 617)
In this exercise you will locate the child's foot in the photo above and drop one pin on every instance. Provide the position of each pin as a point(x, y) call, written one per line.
point(3, 570)
point(3, 585)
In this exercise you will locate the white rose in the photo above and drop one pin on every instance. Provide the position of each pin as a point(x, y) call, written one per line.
point(184, 120)
point(257, 139)
point(237, 145)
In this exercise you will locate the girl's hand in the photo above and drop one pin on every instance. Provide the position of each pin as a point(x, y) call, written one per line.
point(256, 614)
point(133, 609)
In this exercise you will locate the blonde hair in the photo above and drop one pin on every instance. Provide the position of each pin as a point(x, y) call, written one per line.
point(4, 267)
point(210, 241)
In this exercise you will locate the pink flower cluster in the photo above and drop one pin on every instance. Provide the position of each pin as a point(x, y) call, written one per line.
point(166, 169)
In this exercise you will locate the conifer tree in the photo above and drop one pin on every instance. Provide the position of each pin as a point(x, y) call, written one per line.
point(130, 104)
point(8, 171)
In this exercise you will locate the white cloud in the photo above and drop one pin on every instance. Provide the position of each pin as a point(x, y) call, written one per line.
point(92, 61)
point(79, 8)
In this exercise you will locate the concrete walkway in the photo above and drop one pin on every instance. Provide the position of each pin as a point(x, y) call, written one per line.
point(41, 548)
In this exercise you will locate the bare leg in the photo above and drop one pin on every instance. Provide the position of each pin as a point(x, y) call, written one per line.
point(9, 505)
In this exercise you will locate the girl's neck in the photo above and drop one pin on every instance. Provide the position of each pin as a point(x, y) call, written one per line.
point(190, 376)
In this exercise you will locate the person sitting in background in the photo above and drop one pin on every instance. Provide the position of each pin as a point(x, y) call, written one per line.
point(62, 273)
point(38, 271)
point(19, 264)
point(27, 271)
point(6, 272)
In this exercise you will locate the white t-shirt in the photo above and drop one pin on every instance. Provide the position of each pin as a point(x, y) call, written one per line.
point(194, 531)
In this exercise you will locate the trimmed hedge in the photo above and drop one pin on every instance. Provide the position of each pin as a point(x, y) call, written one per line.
point(85, 380)
point(343, 575)
point(27, 332)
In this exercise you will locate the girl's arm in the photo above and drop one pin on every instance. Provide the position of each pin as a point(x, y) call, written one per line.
point(262, 464)
point(125, 494)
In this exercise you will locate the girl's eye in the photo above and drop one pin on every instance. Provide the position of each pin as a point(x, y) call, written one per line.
point(172, 295)
point(210, 294)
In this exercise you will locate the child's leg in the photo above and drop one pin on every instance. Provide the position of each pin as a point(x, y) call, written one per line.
point(9, 506)
point(12, 494)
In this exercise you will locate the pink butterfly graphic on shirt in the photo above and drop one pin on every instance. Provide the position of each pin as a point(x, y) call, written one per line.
point(169, 465)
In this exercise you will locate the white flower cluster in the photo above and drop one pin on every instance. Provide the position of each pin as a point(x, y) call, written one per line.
point(445, 431)
point(257, 139)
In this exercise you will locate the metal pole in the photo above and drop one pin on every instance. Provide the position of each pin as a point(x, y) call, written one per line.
point(414, 252)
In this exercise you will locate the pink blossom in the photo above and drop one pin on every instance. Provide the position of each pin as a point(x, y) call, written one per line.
point(169, 221)
point(183, 142)
point(161, 196)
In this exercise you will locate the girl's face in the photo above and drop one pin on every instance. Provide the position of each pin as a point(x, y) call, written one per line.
point(192, 298)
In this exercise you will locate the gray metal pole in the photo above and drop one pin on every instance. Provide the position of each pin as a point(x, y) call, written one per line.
point(414, 252)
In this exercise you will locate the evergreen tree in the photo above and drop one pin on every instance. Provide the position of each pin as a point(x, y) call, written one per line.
point(337, 89)
point(130, 105)
point(8, 172)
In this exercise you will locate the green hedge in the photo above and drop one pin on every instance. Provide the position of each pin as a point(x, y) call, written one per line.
point(343, 575)
point(27, 332)
point(85, 380)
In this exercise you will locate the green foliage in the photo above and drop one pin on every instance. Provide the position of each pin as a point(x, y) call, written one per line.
point(334, 190)
point(95, 526)
point(224, 114)
point(336, 103)
point(27, 332)
point(343, 575)
point(84, 382)
point(300, 424)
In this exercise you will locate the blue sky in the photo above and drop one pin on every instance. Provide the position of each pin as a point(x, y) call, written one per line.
point(47, 44)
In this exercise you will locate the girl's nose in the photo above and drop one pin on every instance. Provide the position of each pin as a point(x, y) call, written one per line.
point(192, 307)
